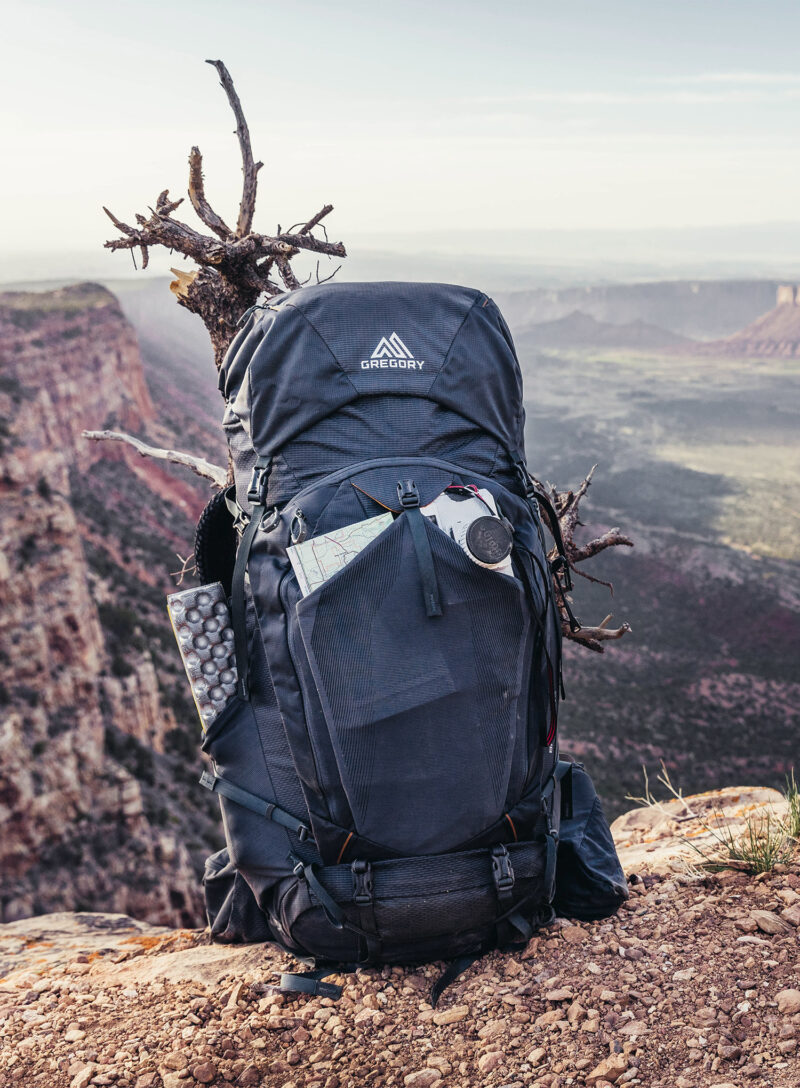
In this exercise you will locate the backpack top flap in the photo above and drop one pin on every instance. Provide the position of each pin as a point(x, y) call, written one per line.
point(310, 352)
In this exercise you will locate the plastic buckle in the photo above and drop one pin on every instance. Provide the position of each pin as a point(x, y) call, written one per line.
point(362, 883)
point(299, 868)
point(302, 832)
point(525, 480)
point(208, 780)
point(407, 494)
point(240, 522)
point(257, 489)
point(502, 873)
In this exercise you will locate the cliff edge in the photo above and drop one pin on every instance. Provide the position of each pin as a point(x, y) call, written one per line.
point(694, 984)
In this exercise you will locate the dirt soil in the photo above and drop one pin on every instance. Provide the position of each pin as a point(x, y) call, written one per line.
point(694, 984)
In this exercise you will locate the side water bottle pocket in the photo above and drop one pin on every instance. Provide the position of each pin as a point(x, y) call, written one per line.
point(590, 882)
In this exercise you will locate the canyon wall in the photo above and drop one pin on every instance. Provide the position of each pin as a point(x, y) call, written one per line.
point(83, 722)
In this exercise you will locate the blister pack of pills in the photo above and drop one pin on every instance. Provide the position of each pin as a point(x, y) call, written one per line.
point(202, 624)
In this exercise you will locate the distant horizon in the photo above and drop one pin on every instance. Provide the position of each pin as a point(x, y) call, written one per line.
point(768, 250)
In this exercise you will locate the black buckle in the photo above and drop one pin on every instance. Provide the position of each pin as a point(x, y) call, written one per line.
point(362, 883)
point(407, 494)
point(502, 873)
point(299, 868)
point(257, 489)
point(303, 832)
point(525, 480)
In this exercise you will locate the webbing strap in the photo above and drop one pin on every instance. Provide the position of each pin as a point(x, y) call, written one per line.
point(333, 911)
point(257, 804)
point(521, 924)
point(551, 848)
point(450, 974)
point(410, 502)
point(309, 982)
point(427, 571)
point(239, 602)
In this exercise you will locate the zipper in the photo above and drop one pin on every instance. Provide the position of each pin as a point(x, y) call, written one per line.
point(384, 462)
point(282, 591)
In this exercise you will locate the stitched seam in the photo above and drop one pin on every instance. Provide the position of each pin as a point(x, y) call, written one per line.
point(311, 324)
point(443, 367)
point(595, 806)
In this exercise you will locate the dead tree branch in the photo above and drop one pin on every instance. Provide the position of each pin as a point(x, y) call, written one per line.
point(197, 195)
point(234, 265)
point(215, 473)
point(250, 168)
point(566, 505)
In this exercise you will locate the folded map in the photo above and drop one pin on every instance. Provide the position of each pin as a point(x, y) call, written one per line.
point(315, 560)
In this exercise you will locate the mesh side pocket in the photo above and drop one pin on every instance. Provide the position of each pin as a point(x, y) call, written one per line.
point(257, 846)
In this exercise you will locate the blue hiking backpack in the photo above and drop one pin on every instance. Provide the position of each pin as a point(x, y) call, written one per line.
point(388, 771)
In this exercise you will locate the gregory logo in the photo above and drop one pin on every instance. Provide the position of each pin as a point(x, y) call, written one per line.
point(391, 352)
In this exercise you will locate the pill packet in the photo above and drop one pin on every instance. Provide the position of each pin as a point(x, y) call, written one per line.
point(201, 621)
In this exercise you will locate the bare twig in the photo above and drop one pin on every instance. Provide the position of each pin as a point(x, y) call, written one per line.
point(309, 226)
point(593, 637)
point(188, 567)
point(250, 168)
point(566, 505)
point(197, 195)
point(215, 473)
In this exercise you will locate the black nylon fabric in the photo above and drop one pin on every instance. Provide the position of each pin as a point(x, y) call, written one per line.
point(412, 426)
point(421, 908)
point(311, 353)
point(233, 913)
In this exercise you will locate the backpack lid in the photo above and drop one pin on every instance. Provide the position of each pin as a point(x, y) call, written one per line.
point(309, 352)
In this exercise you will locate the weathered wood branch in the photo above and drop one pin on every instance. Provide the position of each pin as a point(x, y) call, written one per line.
point(566, 505)
point(594, 637)
point(197, 195)
point(250, 168)
point(215, 473)
point(235, 266)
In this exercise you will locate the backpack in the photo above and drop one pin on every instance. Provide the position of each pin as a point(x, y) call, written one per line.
point(388, 768)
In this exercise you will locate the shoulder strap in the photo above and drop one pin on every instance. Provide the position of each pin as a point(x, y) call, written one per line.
point(256, 495)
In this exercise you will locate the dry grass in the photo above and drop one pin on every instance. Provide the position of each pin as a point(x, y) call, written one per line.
point(766, 841)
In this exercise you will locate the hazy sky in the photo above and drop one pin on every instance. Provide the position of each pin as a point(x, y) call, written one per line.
point(406, 115)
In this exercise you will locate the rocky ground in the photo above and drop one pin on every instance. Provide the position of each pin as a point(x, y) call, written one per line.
point(694, 984)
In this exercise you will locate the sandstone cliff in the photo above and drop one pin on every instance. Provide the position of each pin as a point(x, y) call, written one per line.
point(694, 984)
point(83, 715)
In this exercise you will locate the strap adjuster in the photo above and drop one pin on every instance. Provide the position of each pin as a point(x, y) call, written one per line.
point(208, 780)
point(526, 481)
point(407, 494)
point(257, 488)
point(362, 883)
point(502, 872)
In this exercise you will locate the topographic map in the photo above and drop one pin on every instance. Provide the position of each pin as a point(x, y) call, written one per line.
point(315, 560)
